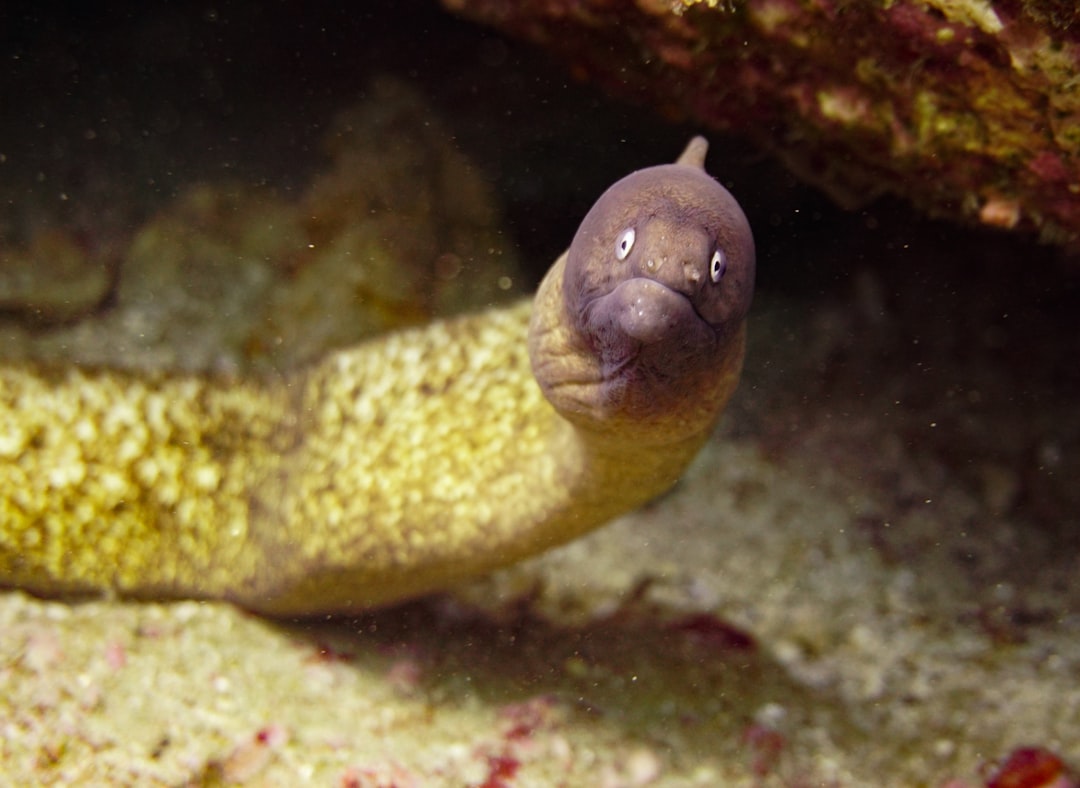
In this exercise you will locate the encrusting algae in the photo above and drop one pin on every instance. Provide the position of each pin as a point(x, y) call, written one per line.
point(400, 465)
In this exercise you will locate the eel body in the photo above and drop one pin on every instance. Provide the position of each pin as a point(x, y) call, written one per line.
point(408, 462)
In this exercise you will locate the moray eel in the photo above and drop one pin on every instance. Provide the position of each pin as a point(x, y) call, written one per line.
point(404, 464)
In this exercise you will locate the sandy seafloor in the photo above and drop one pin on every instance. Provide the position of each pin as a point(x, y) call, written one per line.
point(866, 579)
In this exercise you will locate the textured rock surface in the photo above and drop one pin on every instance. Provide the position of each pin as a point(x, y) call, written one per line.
point(399, 228)
point(967, 107)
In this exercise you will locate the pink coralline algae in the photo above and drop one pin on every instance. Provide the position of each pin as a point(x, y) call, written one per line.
point(969, 108)
point(1030, 767)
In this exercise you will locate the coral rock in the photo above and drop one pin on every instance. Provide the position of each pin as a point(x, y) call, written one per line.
point(969, 108)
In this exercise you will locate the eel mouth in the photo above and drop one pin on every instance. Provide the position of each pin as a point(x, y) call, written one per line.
point(651, 312)
point(644, 328)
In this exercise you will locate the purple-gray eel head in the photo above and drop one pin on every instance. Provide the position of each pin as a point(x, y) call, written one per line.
point(658, 281)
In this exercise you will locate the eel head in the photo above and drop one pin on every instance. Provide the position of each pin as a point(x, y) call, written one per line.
point(655, 290)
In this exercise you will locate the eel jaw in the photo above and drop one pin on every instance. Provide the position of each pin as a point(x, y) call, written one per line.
point(645, 322)
point(650, 344)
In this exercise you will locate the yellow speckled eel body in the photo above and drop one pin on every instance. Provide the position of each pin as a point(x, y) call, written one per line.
point(398, 466)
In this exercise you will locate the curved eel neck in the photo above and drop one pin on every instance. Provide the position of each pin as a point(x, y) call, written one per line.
point(518, 478)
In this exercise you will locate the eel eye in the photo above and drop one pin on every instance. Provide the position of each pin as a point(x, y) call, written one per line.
point(624, 244)
point(717, 266)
